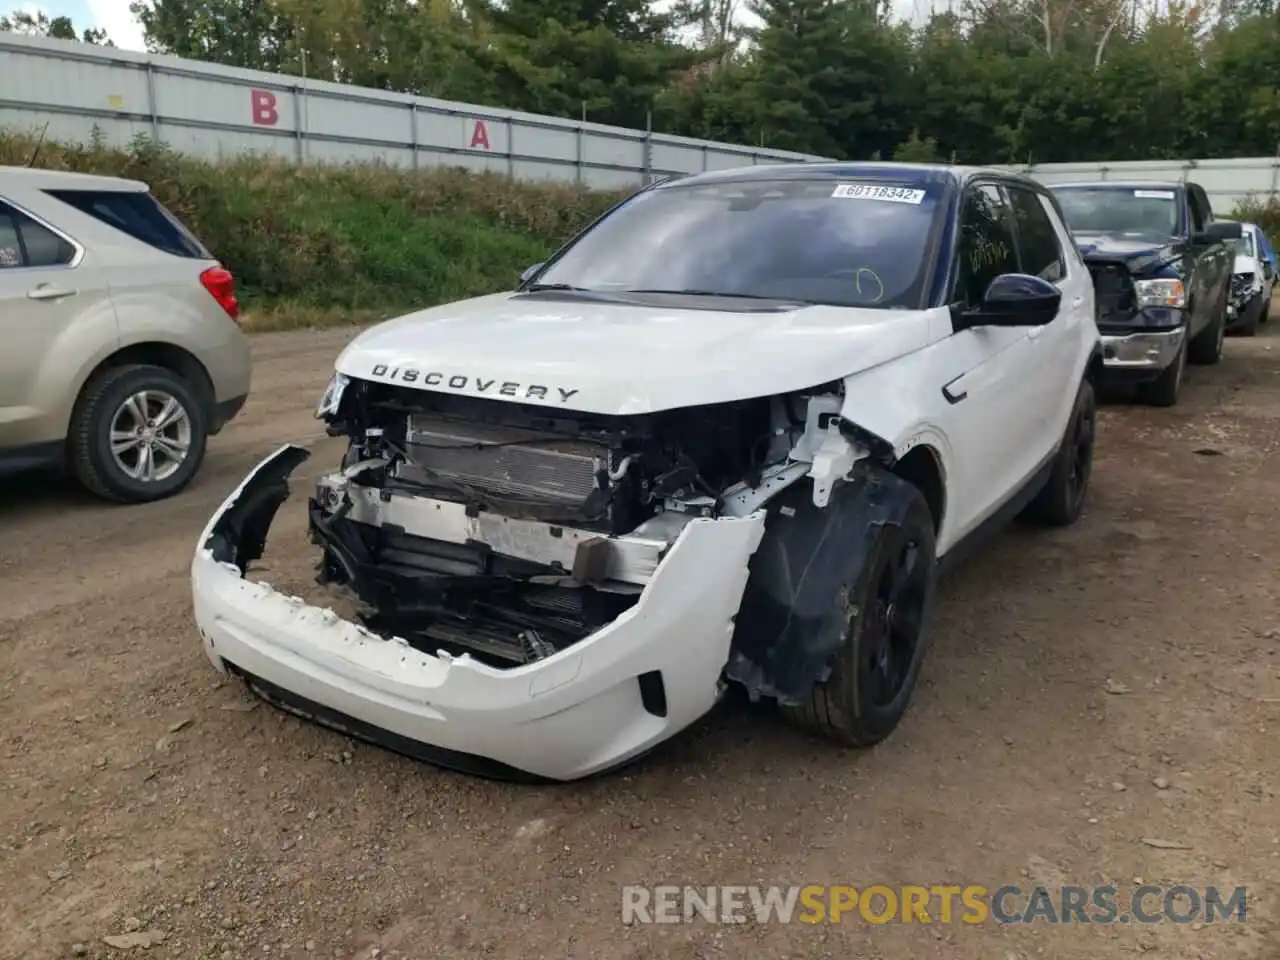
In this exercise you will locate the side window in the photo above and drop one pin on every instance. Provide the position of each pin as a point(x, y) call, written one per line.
point(25, 243)
point(1196, 210)
point(10, 246)
point(985, 249)
point(1038, 247)
point(1202, 198)
point(140, 216)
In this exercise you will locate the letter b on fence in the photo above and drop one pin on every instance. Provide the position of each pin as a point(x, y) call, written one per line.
point(263, 103)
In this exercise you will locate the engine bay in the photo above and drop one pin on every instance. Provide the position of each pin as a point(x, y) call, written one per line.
point(508, 532)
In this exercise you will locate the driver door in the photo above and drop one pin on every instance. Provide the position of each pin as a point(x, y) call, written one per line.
point(991, 416)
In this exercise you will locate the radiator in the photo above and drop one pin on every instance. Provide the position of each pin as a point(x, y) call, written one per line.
point(502, 461)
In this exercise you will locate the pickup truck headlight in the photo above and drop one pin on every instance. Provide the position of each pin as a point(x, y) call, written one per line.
point(1165, 292)
point(331, 399)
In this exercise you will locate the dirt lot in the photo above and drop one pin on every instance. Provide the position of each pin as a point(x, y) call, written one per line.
point(1087, 690)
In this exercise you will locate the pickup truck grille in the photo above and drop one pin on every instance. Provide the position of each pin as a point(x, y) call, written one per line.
point(1113, 293)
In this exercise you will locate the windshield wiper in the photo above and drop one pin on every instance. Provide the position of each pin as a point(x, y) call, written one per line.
point(722, 293)
point(539, 287)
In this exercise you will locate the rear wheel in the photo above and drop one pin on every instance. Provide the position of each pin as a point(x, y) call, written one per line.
point(884, 611)
point(1061, 500)
point(138, 434)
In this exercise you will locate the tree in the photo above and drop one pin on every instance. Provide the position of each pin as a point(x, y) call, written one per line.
point(238, 33)
point(831, 77)
point(58, 28)
point(605, 60)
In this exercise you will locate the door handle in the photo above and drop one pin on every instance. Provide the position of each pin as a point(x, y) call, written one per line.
point(48, 292)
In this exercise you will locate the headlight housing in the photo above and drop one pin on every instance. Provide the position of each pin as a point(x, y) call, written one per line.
point(1164, 292)
point(331, 399)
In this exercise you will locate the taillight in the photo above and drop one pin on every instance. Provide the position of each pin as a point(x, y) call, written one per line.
point(222, 287)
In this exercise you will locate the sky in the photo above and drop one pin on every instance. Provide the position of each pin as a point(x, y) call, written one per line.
point(114, 17)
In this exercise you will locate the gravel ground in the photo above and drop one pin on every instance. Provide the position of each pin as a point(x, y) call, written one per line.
point(1088, 691)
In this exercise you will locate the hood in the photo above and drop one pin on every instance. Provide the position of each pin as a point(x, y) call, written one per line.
point(599, 356)
point(1245, 264)
point(1139, 254)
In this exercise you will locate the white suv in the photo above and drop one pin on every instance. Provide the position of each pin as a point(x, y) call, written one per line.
point(122, 352)
point(726, 434)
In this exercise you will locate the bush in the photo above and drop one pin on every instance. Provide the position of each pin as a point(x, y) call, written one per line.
point(322, 243)
point(1265, 213)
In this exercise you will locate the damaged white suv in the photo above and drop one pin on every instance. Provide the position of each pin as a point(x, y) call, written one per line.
point(725, 435)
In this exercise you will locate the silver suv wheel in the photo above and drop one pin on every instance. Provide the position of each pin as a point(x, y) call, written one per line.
point(150, 436)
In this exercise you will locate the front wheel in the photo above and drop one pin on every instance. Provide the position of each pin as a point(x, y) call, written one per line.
point(884, 611)
point(1206, 348)
point(1163, 391)
point(138, 434)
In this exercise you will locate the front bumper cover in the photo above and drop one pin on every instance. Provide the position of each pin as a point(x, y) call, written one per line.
point(1147, 351)
point(571, 715)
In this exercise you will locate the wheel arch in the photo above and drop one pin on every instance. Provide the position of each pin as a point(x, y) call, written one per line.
point(1095, 368)
point(922, 467)
point(787, 630)
point(155, 353)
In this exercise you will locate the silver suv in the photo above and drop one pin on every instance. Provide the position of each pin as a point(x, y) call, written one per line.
point(122, 352)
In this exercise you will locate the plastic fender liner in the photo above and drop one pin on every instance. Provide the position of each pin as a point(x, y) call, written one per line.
point(240, 533)
point(790, 623)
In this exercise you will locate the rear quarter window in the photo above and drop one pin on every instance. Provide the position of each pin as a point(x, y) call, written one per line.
point(139, 215)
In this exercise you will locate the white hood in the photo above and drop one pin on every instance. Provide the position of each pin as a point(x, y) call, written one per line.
point(1245, 264)
point(619, 359)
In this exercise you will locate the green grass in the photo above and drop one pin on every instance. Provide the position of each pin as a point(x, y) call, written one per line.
point(327, 245)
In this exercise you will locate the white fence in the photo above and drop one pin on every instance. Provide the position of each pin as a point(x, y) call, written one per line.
point(1226, 181)
point(213, 111)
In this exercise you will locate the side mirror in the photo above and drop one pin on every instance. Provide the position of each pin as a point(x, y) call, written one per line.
point(1218, 230)
point(1012, 300)
point(530, 271)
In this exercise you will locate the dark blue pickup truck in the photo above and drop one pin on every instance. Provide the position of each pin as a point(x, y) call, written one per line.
point(1161, 267)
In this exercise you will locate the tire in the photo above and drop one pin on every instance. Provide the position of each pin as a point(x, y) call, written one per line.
point(1250, 329)
point(1061, 500)
point(1206, 349)
point(1163, 391)
point(874, 674)
point(111, 404)
point(1266, 313)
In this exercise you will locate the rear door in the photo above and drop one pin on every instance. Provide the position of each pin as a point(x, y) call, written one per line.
point(47, 286)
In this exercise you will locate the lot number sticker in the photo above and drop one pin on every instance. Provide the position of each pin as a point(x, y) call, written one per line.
point(867, 191)
point(1154, 194)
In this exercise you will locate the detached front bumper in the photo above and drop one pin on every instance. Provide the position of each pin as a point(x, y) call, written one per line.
point(1245, 311)
point(578, 712)
point(1145, 352)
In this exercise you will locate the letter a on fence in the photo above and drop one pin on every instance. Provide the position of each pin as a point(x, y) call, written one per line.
point(479, 136)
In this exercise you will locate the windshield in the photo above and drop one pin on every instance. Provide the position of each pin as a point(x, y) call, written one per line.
point(858, 243)
point(1244, 246)
point(1120, 211)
